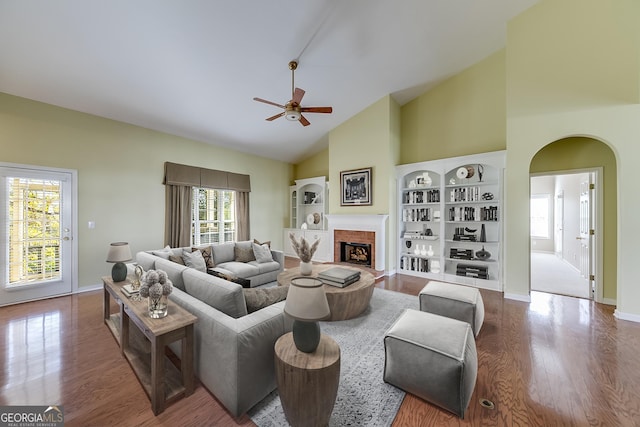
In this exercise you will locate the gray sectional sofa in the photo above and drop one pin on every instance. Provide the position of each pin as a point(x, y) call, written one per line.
point(234, 259)
point(234, 349)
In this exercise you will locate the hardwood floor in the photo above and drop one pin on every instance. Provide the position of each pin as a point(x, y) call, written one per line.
point(558, 361)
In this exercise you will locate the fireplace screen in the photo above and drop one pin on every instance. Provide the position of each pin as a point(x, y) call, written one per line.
point(356, 253)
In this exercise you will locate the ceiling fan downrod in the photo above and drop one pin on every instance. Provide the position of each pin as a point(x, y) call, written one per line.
point(293, 65)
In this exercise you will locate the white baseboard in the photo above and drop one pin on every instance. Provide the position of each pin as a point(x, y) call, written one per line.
point(518, 297)
point(390, 272)
point(89, 288)
point(626, 316)
point(609, 301)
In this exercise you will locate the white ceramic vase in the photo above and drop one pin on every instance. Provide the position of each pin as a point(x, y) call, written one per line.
point(430, 251)
point(306, 268)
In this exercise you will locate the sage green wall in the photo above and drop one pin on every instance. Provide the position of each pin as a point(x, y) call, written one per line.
point(463, 115)
point(120, 171)
point(565, 55)
point(315, 165)
point(548, 46)
point(369, 139)
point(583, 153)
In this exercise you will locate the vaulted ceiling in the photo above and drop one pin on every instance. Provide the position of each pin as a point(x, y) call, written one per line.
point(192, 67)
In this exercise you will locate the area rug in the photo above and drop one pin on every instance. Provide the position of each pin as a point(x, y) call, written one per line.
point(363, 398)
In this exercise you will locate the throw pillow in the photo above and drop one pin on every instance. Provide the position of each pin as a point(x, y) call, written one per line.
point(262, 253)
point(244, 253)
point(245, 283)
point(194, 260)
point(206, 254)
point(257, 299)
point(176, 258)
point(163, 253)
point(268, 242)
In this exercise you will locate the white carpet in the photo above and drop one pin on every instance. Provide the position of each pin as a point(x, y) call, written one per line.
point(551, 274)
point(363, 398)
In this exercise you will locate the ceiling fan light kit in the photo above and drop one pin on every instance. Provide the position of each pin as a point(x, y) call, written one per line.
point(292, 109)
point(293, 115)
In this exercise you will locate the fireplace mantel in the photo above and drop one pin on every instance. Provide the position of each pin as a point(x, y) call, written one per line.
point(375, 223)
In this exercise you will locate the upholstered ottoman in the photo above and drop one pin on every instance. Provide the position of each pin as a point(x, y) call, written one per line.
point(432, 357)
point(454, 301)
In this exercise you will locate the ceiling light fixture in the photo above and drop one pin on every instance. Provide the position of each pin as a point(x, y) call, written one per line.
point(293, 115)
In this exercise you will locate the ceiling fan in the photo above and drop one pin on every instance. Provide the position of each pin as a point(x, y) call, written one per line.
point(292, 109)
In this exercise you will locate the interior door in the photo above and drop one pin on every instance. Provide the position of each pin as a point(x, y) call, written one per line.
point(558, 219)
point(37, 215)
point(585, 236)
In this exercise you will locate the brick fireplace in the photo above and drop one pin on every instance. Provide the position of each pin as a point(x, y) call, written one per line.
point(353, 245)
point(359, 229)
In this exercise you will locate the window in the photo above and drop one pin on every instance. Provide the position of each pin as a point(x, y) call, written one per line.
point(541, 216)
point(33, 224)
point(213, 216)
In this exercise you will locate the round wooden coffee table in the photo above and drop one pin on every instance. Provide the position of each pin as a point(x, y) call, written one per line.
point(344, 303)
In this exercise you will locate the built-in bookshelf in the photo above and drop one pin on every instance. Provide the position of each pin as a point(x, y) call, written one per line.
point(308, 207)
point(450, 219)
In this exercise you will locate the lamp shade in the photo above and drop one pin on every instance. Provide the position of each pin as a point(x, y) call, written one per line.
point(306, 300)
point(119, 252)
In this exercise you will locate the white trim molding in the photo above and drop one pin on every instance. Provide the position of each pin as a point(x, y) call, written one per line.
point(626, 316)
point(371, 222)
point(517, 297)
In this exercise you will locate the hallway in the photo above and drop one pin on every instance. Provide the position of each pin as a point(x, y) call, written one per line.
point(551, 274)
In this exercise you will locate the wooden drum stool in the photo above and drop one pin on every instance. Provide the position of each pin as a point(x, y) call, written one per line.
point(307, 382)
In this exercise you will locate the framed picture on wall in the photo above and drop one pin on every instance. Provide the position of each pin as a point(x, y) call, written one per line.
point(355, 187)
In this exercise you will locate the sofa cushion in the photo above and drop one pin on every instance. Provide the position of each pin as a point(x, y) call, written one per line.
point(173, 270)
point(146, 260)
point(244, 252)
point(258, 299)
point(194, 260)
point(227, 275)
point(206, 254)
point(177, 259)
point(268, 242)
point(220, 294)
point(241, 269)
point(262, 253)
point(163, 253)
point(224, 252)
point(265, 267)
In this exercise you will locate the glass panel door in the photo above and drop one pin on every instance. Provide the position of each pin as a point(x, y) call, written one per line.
point(36, 234)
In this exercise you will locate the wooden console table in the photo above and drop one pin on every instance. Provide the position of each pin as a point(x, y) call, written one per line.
point(307, 382)
point(163, 382)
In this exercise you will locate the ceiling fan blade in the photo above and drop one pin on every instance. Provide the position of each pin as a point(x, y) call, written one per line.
point(297, 96)
point(275, 117)
point(316, 109)
point(268, 102)
point(304, 121)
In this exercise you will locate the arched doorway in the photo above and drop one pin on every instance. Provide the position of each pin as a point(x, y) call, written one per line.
point(570, 157)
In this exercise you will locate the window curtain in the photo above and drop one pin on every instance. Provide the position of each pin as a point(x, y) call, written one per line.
point(242, 216)
point(179, 181)
point(177, 223)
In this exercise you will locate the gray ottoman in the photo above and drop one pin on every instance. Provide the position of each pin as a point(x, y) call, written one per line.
point(432, 357)
point(454, 301)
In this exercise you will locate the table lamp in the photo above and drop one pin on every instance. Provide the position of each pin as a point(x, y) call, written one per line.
point(119, 253)
point(306, 303)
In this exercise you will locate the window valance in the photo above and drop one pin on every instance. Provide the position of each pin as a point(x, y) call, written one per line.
point(193, 176)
